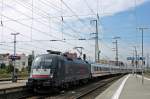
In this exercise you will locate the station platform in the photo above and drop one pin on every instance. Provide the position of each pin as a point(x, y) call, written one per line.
point(128, 87)
point(10, 84)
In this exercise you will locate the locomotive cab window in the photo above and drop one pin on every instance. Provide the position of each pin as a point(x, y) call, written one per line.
point(42, 62)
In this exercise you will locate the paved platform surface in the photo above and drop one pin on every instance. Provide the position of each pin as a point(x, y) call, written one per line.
point(9, 84)
point(128, 87)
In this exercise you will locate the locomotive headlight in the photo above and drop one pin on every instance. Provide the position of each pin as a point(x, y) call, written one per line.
point(31, 73)
point(51, 76)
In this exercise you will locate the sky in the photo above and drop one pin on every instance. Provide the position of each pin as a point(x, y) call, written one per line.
point(39, 21)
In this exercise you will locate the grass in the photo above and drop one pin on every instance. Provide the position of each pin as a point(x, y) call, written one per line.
point(5, 75)
point(147, 73)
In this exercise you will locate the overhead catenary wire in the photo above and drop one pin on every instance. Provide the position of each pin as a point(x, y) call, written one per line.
point(1, 23)
point(64, 42)
point(10, 50)
point(25, 50)
point(32, 21)
point(53, 17)
point(25, 36)
point(75, 14)
point(75, 31)
point(47, 25)
point(63, 22)
point(89, 7)
point(33, 28)
point(59, 10)
point(54, 5)
point(19, 41)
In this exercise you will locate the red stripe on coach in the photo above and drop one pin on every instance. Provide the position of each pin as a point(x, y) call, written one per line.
point(40, 76)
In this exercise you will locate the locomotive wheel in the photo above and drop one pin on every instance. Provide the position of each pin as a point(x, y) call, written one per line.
point(84, 81)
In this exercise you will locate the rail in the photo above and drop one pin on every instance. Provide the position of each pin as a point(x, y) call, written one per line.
point(13, 92)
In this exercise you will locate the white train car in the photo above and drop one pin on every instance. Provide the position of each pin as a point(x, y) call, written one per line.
point(99, 70)
point(104, 69)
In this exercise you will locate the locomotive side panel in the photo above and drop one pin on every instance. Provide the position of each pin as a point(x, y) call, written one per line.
point(59, 72)
point(71, 71)
point(77, 70)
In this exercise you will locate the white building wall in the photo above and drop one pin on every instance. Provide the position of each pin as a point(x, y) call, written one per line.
point(22, 63)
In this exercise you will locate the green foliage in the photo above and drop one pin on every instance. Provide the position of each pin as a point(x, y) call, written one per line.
point(23, 73)
point(30, 59)
point(7, 72)
point(4, 74)
point(147, 72)
point(3, 71)
point(9, 68)
point(3, 66)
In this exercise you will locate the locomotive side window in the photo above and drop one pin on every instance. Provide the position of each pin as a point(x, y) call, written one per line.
point(47, 63)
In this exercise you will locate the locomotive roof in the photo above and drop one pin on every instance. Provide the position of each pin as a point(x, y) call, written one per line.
point(52, 55)
point(63, 57)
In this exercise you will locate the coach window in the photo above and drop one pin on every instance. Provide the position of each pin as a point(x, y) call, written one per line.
point(94, 68)
point(100, 68)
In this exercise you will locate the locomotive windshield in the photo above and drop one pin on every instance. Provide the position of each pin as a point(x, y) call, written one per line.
point(42, 62)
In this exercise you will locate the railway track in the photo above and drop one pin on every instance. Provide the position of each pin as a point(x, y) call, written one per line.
point(96, 89)
point(88, 91)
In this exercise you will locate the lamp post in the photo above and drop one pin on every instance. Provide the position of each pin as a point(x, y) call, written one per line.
point(136, 62)
point(142, 30)
point(116, 49)
point(14, 76)
point(96, 40)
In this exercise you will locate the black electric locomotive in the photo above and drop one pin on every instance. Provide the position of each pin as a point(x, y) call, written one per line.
point(56, 70)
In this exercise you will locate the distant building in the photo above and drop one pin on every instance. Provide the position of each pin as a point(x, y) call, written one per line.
point(4, 59)
point(111, 62)
point(22, 62)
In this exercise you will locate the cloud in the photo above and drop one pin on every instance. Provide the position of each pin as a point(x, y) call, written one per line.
point(104, 7)
point(47, 18)
point(115, 6)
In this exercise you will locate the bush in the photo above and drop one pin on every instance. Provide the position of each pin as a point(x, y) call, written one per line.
point(3, 66)
point(3, 71)
point(4, 74)
point(9, 68)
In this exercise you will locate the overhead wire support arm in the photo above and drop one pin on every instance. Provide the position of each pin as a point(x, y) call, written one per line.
point(79, 49)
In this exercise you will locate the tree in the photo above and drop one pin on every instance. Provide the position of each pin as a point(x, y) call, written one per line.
point(9, 68)
point(3, 66)
point(30, 59)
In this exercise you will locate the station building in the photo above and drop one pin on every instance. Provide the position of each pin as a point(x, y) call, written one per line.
point(22, 62)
